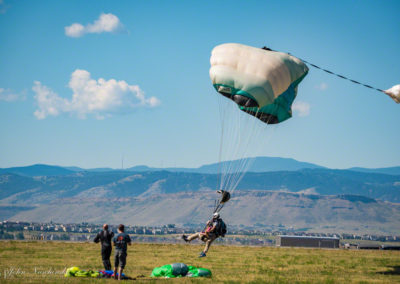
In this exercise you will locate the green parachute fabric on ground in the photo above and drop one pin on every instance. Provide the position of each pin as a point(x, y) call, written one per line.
point(263, 83)
point(198, 272)
point(180, 270)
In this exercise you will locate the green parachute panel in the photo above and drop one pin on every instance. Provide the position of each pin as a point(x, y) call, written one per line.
point(180, 270)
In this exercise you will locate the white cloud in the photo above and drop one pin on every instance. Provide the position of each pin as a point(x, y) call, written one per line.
point(105, 23)
point(8, 95)
point(75, 30)
point(322, 87)
point(100, 98)
point(301, 108)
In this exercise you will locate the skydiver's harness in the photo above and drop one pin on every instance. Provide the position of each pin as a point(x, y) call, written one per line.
point(220, 229)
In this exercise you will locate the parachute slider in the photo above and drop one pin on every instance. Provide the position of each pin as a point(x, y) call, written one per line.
point(394, 93)
point(226, 91)
point(225, 196)
point(239, 99)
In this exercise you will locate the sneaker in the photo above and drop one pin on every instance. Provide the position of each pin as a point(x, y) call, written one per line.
point(184, 237)
point(202, 254)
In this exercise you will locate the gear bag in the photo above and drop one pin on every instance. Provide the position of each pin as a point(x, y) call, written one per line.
point(221, 228)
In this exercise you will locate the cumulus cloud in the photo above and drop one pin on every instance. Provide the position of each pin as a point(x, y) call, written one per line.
point(8, 95)
point(105, 23)
point(322, 87)
point(100, 98)
point(301, 108)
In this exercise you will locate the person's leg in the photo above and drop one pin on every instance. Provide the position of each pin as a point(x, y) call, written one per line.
point(116, 264)
point(122, 265)
point(105, 254)
point(193, 237)
point(208, 243)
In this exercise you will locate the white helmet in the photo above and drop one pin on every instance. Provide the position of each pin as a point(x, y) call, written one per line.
point(216, 215)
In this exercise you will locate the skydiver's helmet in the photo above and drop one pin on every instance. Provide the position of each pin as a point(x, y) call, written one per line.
point(216, 215)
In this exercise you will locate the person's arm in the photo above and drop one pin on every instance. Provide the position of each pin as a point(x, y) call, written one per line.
point(128, 240)
point(214, 226)
point(97, 238)
point(212, 229)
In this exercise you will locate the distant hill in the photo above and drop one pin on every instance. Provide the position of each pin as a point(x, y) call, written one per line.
point(247, 209)
point(316, 198)
point(120, 184)
point(259, 164)
point(37, 170)
point(274, 192)
point(387, 171)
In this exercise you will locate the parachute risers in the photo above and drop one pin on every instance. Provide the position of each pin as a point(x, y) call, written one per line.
point(225, 196)
point(394, 93)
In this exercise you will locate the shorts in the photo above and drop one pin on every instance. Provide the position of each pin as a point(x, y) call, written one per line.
point(120, 259)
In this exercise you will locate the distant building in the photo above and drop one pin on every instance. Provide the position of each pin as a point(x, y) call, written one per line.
point(307, 241)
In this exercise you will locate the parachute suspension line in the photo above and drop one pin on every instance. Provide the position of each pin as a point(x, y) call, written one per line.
point(222, 119)
point(333, 73)
point(240, 135)
point(341, 76)
point(257, 128)
point(231, 170)
point(245, 163)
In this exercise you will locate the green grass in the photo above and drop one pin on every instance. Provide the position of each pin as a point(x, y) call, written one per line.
point(44, 262)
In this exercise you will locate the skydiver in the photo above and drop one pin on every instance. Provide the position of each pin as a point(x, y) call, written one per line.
point(214, 229)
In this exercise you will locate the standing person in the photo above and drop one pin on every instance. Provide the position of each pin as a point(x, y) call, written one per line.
point(121, 242)
point(105, 238)
point(215, 228)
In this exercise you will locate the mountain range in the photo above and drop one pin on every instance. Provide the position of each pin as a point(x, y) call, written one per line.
point(289, 193)
point(258, 165)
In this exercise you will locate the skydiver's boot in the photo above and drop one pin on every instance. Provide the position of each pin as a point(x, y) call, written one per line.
point(184, 237)
point(202, 254)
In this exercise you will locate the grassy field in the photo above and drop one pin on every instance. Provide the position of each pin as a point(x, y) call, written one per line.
point(44, 262)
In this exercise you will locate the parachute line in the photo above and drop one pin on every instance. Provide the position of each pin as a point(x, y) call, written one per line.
point(333, 73)
point(241, 139)
point(341, 76)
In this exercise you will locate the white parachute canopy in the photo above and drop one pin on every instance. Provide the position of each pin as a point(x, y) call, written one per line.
point(394, 93)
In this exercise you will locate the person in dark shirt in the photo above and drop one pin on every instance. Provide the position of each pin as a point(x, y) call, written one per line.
point(121, 242)
point(105, 237)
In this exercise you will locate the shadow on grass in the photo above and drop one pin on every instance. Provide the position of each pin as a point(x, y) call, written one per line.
point(394, 270)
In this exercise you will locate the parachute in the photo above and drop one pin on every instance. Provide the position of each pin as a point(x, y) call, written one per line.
point(394, 93)
point(262, 82)
point(180, 270)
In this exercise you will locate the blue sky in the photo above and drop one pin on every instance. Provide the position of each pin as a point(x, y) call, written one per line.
point(86, 83)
